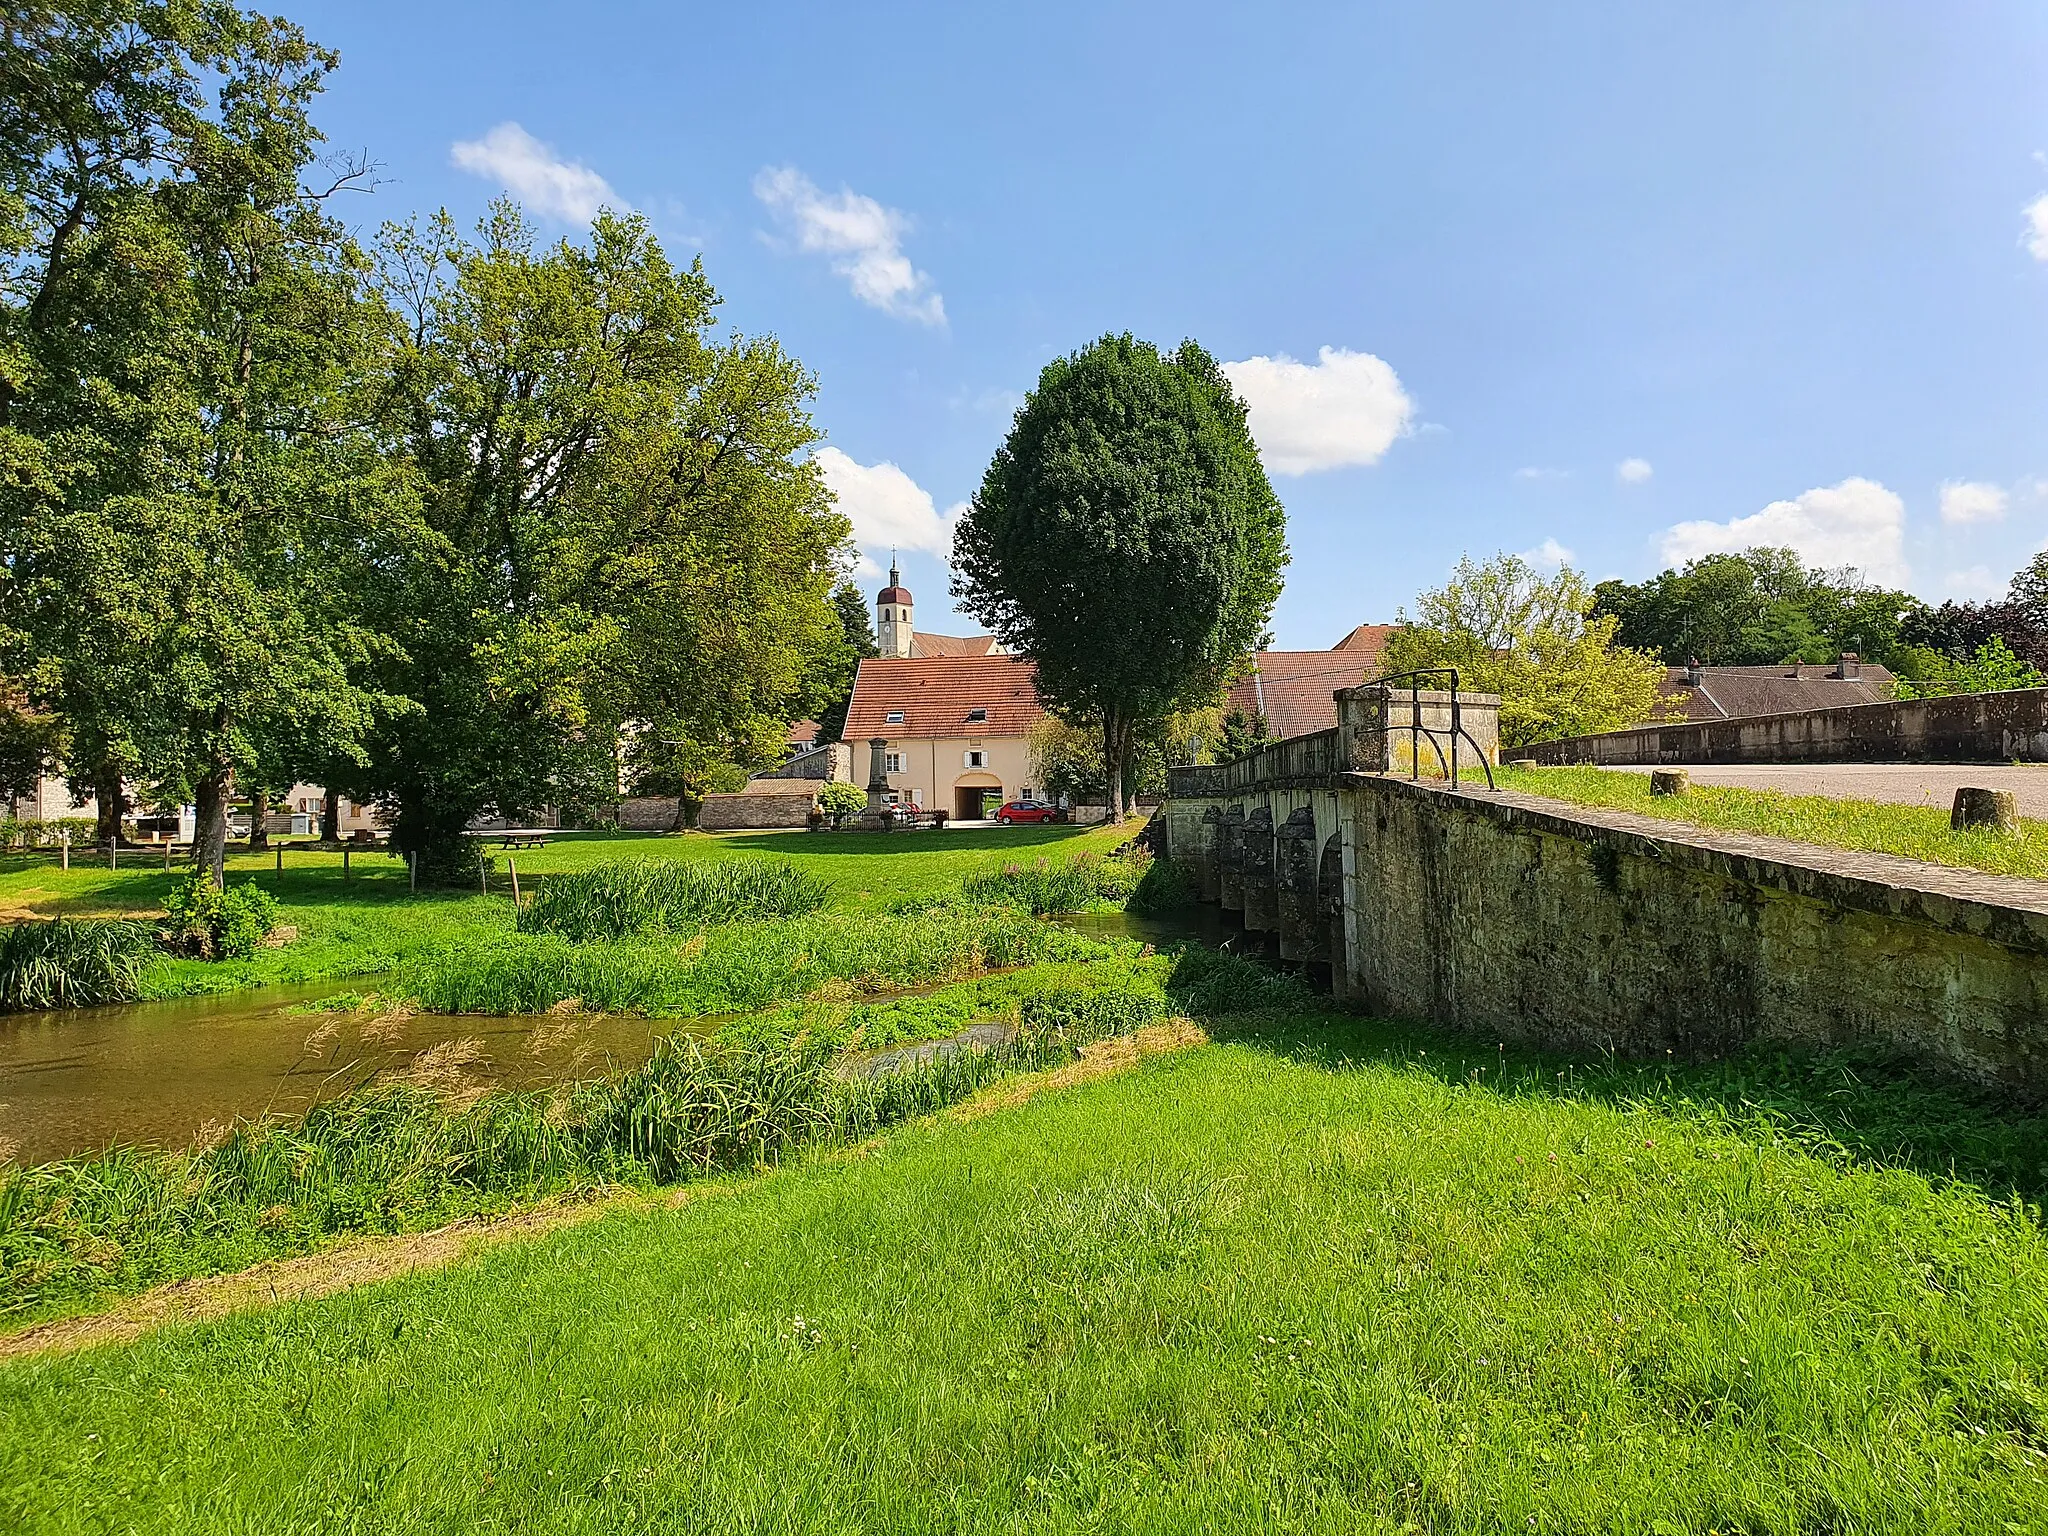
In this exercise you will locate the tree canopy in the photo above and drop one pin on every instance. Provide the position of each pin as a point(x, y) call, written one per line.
point(440, 525)
point(1125, 539)
point(1537, 642)
point(1763, 607)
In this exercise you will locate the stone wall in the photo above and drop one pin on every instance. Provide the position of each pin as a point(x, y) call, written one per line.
point(830, 760)
point(1969, 728)
point(1523, 918)
point(763, 803)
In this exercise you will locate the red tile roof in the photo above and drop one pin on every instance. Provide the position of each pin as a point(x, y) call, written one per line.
point(935, 694)
point(802, 733)
point(1294, 689)
point(922, 644)
point(1371, 638)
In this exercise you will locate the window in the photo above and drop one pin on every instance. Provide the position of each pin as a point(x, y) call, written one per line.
point(895, 717)
point(977, 717)
point(1024, 793)
point(892, 762)
point(975, 759)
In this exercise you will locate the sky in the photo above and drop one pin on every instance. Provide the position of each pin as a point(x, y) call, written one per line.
point(1613, 285)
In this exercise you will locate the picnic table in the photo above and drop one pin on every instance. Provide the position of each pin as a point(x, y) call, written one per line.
point(520, 841)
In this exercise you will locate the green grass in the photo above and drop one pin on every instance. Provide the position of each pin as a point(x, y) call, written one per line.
point(370, 923)
point(647, 896)
point(405, 1155)
point(1331, 1276)
point(71, 962)
point(1868, 826)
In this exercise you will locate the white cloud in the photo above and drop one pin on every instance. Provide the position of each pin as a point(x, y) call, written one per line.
point(1857, 523)
point(1540, 472)
point(532, 172)
point(1548, 553)
point(887, 508)
point(1972, 501)
point(1633, 471)
point(1974, 584)
point(1345, 408)
point(2037, 227)
point(863, 239)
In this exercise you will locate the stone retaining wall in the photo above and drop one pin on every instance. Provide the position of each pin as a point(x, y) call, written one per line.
point(1969, 728)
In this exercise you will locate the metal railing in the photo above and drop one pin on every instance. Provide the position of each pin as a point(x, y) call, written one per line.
point(1417, 730)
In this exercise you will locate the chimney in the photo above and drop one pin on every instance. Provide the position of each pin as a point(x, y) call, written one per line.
point(1852, 667)
point(1692, 673)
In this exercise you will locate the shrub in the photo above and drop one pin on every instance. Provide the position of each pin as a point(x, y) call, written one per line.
point(1164, 887)
point(1046, 886)
point(651, 896)
point(215, 922)
point(837, 798)
point(71, 962)
point(31, 832)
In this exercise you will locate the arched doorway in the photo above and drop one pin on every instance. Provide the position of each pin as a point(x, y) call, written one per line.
point(976, 796)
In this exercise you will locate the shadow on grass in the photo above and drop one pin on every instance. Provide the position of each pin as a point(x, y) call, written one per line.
point(1854, 1108)
point(870, 845)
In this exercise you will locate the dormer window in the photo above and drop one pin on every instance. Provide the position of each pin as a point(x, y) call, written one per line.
point(895, 717)
point(977, 717)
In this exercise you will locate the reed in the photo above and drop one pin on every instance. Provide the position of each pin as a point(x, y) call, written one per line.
point(72, 962)
point(735, 967)
point(1047, 886)
point(399, 1157)
point(654, 896)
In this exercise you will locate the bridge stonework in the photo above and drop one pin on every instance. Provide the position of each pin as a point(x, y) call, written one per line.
point(1587, 929)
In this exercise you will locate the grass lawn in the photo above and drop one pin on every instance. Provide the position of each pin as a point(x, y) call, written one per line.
point(371, 923)
point(1910, 831)
point(1312, 1279)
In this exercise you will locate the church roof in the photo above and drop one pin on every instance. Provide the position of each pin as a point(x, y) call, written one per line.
point(893, 595)
point(922, 644)
point(935, 694)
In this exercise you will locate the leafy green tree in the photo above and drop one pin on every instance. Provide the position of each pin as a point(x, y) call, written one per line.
point(1762, 607)
point(1125, 539)
point(834, 677)
point(1242, 732)
point(1537, 643)
point(622, 530)
point(185, 321)
point(1992, 668)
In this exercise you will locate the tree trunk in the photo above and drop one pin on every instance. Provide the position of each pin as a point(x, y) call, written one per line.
point(1112, 768)
point(259, 808)
point(330, 816)
point(210, 822)
point(682, 819)
point(110, 800)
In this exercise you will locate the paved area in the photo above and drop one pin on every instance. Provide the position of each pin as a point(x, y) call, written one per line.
point(1894, 783)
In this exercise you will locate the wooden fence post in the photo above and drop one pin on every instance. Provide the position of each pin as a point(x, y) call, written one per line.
point(412, 870)
point(280, 858)
point(114, 852)
point(513, 865)
point(483, 874)
point(167, 855)
point(344, 861)
point(65, 846)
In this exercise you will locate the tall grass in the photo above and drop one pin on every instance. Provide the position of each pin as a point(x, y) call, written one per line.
point(1048, 886)
point(72, 962)
point(735, 967)
point(397, 1157)
point(650, 896)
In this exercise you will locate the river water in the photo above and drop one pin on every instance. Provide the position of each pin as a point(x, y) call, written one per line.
point(157, 1074)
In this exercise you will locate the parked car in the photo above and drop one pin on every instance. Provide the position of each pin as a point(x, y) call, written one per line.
point(1027, 810)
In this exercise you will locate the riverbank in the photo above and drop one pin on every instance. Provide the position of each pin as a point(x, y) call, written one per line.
point(367, 921)
point(1323, 1275)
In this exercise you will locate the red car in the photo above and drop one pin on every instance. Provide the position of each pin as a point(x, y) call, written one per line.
point(1027, 810)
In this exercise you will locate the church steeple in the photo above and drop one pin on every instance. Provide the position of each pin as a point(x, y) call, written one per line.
point(893, 630)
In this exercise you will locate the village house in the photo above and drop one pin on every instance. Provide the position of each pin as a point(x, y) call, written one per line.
point(955, 713)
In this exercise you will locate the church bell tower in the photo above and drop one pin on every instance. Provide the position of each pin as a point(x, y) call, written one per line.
point(892, 616)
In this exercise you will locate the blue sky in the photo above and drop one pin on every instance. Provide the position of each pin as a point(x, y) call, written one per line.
point(1632, 282)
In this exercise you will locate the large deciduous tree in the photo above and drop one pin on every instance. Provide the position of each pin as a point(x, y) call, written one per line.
point(621, 530)
point(189, 495)
point(1125, 539)
point(1537, 643)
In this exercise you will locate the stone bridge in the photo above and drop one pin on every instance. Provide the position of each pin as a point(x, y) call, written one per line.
point(1595, 930)
point(1263, 835)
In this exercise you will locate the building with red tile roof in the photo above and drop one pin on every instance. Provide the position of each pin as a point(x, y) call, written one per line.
point(953, 729)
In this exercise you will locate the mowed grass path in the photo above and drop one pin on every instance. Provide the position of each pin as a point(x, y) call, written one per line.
point(1867, 826)
point(372, 922)
point(1255, 1286)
